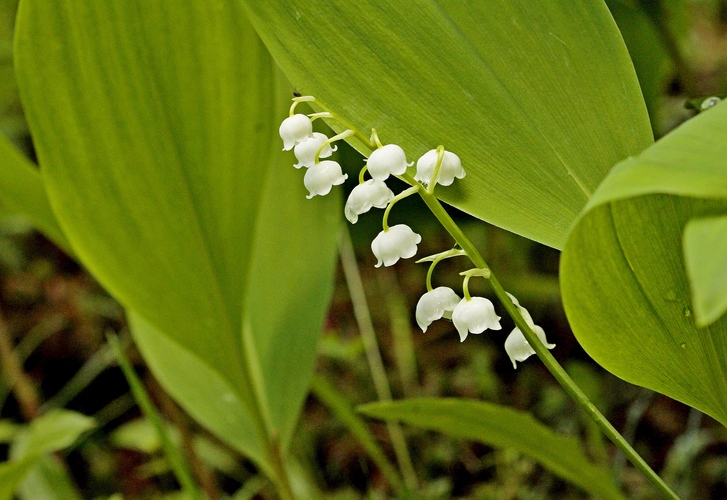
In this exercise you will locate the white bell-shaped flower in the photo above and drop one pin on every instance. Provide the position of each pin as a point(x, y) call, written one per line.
point(295, 129)
point(385, 161)
point(321, 177)
point(518, 348)
point(451, 168)
point(399, 242)
point(475, 316)
point(306, 150)
point(434, 305)
point(371, 193)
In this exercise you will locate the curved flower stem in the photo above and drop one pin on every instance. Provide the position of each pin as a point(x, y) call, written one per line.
point(361, 178)
point(436, 259)
point(548, 360)
point(337, 137)
point(398, 197)
point(359, 135)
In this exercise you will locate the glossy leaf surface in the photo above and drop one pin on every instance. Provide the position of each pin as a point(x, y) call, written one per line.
point(539, 99)
point(626, 287)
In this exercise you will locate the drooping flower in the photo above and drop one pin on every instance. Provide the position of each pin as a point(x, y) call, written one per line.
point(385, 161)
point(399, 242)
point(450, 169)
point(295, 129)
point(434, 305)
point(475, 316)
point(371, 193)
point(321, 177)
point(306, 150)
point(518, 348)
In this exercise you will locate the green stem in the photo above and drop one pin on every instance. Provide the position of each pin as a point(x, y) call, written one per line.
point(551, 364)
point(373, 353)
point(173, 454)
point(358, 134)
point(407, 192)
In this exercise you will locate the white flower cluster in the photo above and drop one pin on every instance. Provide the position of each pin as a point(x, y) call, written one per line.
point(437, 166)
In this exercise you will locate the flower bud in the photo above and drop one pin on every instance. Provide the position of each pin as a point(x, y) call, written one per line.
point(295, 129)
point(399, 242)
point(306, 150)
point(475, 316)
point(434, 305)
point(451, 167)
point(385, 161)
point(320, 178)
point(371, 193)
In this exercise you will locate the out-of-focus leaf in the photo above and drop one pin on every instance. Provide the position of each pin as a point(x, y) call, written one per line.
point(539, 99)
point(501, 427)
point(48, 480)
point(156, 129)
point(54, 431)
point(624, 279)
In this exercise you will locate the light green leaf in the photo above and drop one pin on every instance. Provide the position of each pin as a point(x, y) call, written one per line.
point(624, 280)
point(705, 254)
point(12, 475)
point(54, 431)
point(49, 480)
point(501, 427)
point(156, 129)
point(539, 99)
point(22, 191)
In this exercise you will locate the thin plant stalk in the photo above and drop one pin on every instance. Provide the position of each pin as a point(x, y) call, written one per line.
point(173, 454)
point(373, 354)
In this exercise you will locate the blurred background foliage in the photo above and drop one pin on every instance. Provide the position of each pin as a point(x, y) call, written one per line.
point(54, 320)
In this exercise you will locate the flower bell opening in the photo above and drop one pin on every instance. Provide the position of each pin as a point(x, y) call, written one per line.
point(320, 178)
point(436, 304)
point(398, 242)
point(519, 349)
point(475, 316)
point(363, 197)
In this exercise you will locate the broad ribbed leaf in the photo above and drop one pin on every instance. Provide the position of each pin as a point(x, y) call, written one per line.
point(501, 427)
point(539, 99)
point(156, 129)
point(625, 284)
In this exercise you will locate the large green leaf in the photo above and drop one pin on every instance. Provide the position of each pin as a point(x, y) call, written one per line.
point(22, 190)
point(156, 129)
point(501, 427)
point(539, 99)
point(624, 279)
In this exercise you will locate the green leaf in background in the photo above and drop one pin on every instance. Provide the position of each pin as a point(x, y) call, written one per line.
point(625, 285)
point(648, 52)
point(539, 99)
point(156, 129)
point(54, 431)
point(501, 427)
